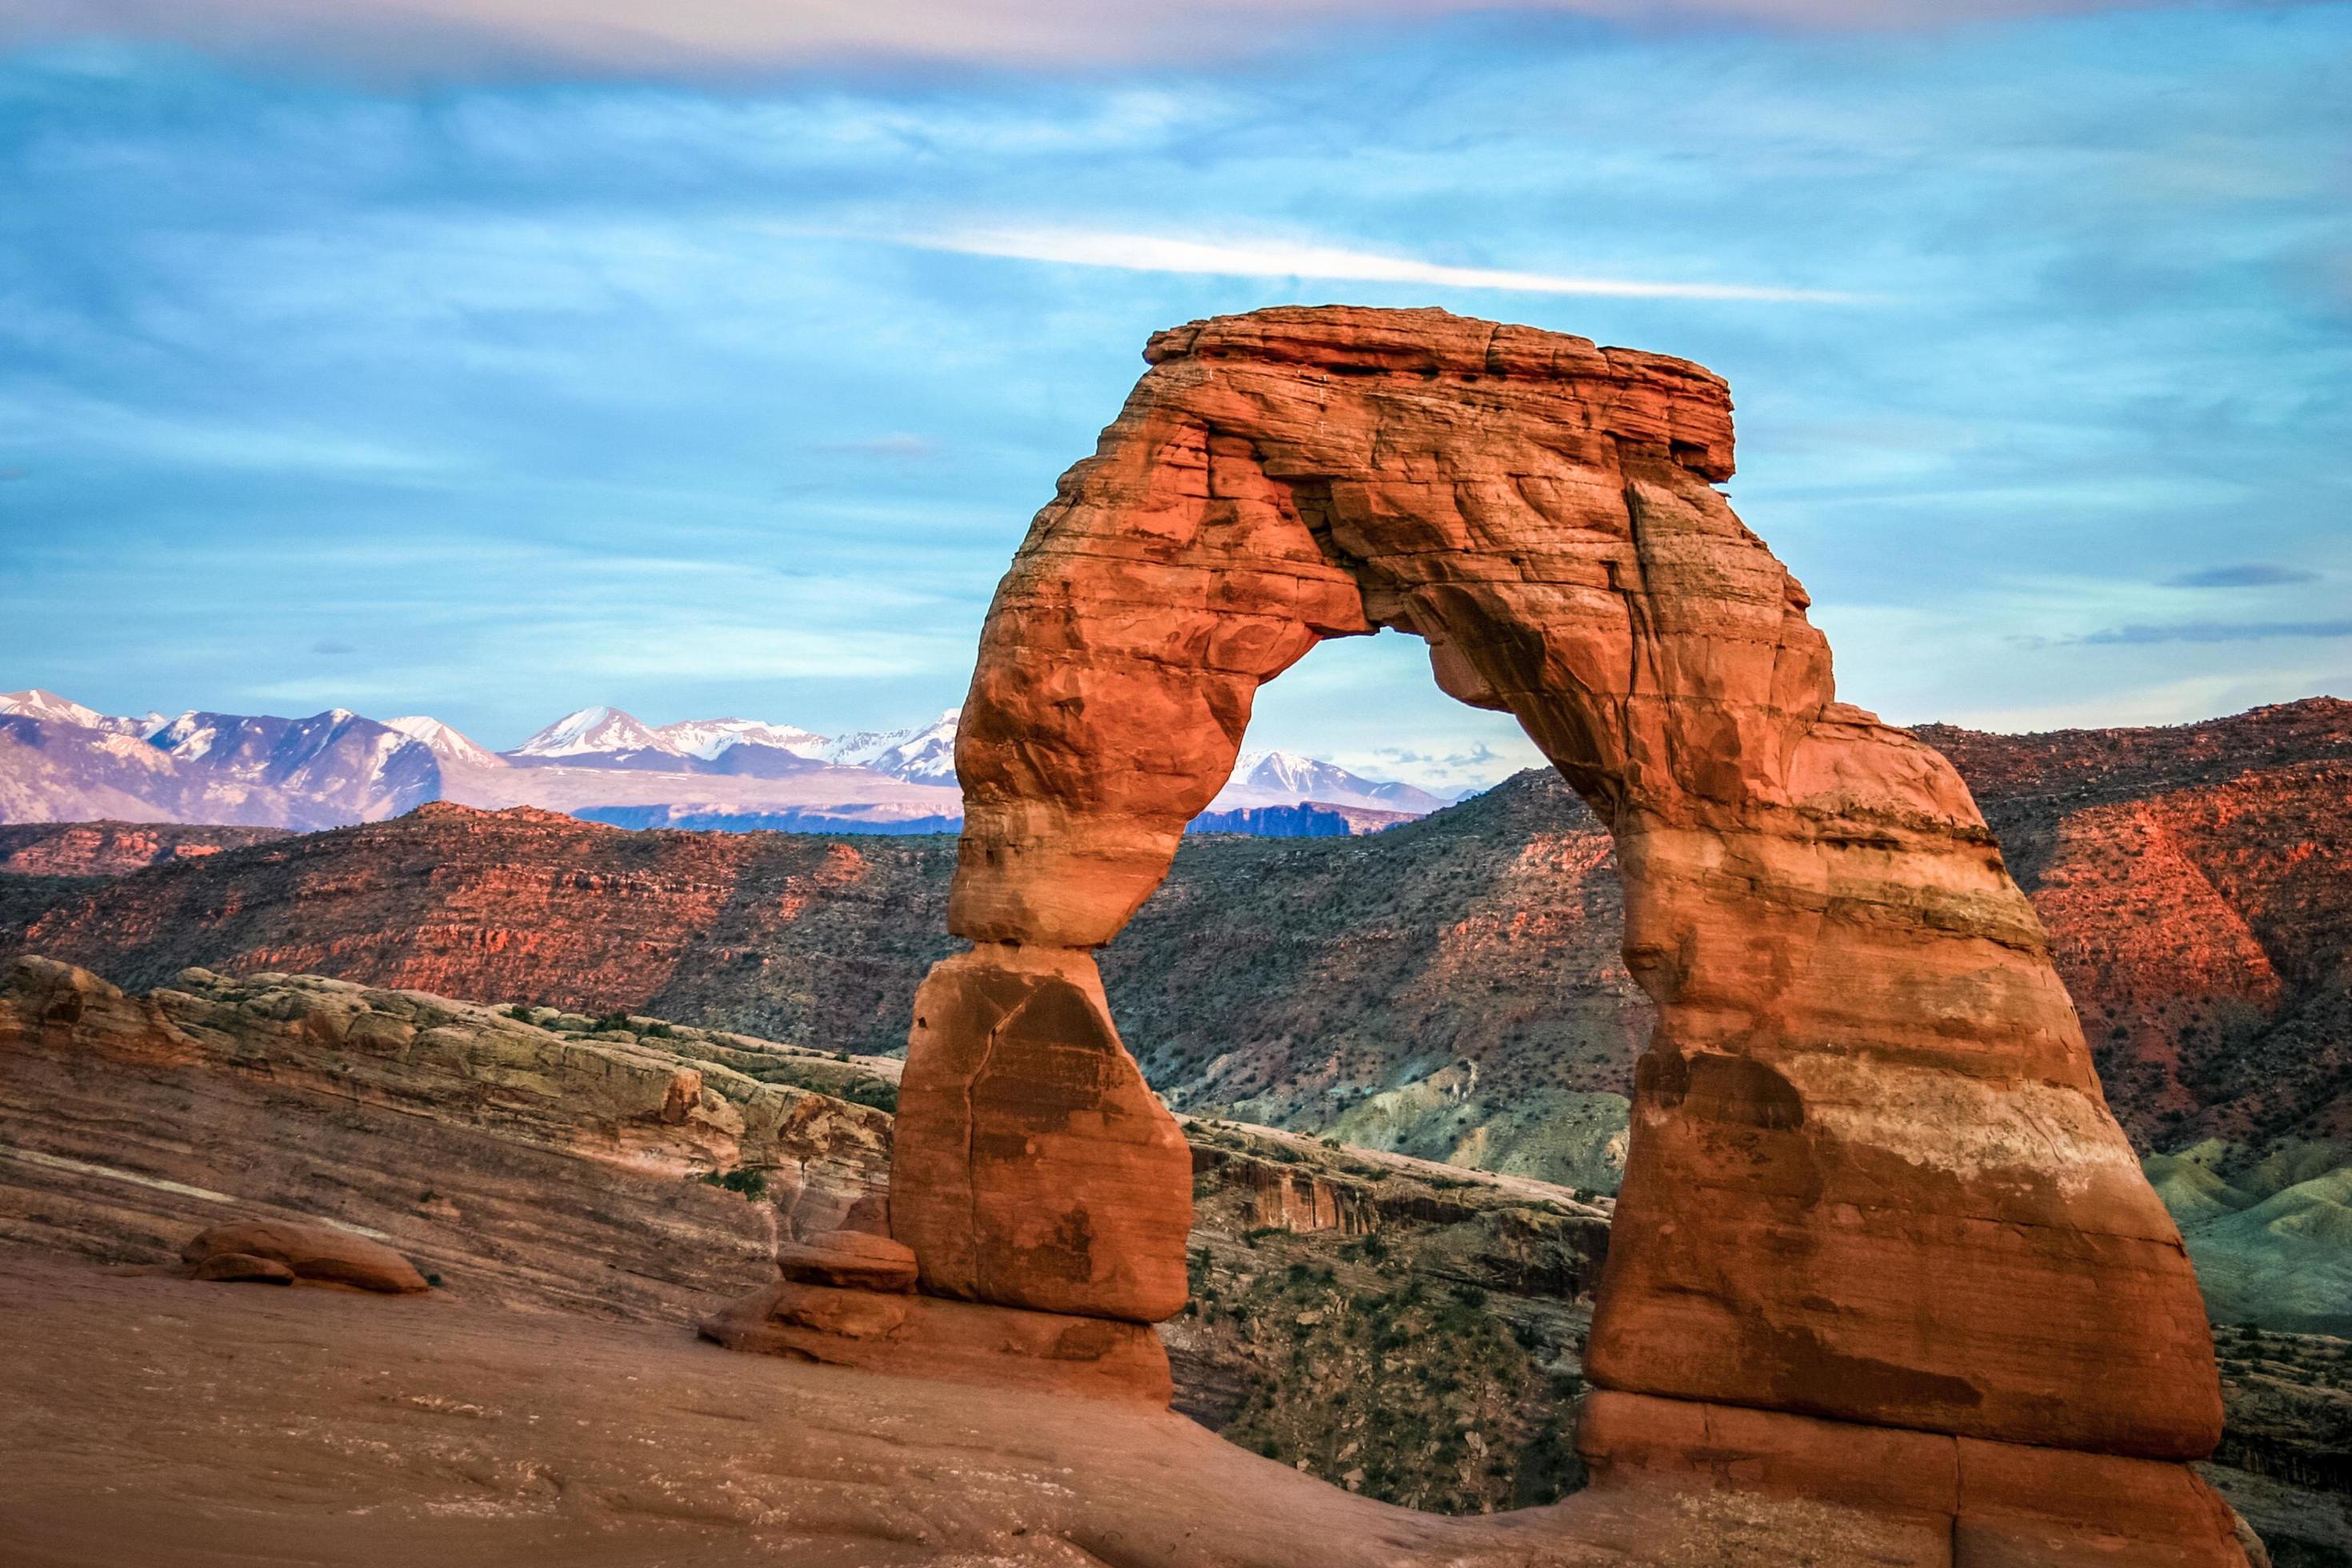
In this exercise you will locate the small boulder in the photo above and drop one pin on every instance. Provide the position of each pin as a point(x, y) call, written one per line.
point(850, 1261)
point(244, 1267)
point(317, 1253)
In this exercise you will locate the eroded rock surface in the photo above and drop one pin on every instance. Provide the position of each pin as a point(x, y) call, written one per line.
point(1034, 1166)
point(321, 1254)
point(1872, 1176)
point(548, 1163)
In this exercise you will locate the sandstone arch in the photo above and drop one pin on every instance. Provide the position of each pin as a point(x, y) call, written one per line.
point(1872, 1178)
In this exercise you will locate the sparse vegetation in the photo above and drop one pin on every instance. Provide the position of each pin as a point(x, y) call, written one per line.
point(749, 1184)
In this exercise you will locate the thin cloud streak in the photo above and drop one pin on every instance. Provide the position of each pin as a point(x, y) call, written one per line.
point(704, 37)
point(1287, 259)
point(2217, 631)
point(2244, 575)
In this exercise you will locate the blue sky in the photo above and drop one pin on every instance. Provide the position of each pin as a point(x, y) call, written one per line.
point(421, 375)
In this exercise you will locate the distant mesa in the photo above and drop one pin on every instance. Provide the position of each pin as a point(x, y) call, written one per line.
point(63, 762)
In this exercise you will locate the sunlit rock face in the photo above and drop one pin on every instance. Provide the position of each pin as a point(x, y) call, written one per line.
point(1872, 1176)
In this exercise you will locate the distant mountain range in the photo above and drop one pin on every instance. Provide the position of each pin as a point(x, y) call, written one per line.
point(63, 762)
point(1454, 988)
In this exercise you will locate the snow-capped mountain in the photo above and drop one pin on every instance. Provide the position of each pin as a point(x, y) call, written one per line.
point(602, 733)
point(1285, 778)
point(35, 703)
point(923, 756)
point(445, 741)
point(707, 738)
point(61, 761)
point(351, 768)
point(606, 737)
point(860, 747)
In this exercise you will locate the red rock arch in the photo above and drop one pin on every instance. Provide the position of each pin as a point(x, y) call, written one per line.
point(1872, 1176)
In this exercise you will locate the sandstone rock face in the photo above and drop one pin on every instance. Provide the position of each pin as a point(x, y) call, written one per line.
point(115, 848)
point(1959, 1501)
point(526, 1162)
point(1033, 1165)
point(318, 1253)
point(1871, 1177)
point(1285, 1199)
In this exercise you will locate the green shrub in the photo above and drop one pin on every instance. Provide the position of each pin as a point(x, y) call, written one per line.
point(743, 1181)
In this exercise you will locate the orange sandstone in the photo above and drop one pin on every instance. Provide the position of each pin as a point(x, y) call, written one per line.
point(1873, 1179)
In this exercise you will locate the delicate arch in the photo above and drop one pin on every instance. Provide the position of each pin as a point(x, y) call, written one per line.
point(1872, 1175)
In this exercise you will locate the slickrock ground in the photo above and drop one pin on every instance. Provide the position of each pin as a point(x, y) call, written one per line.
point(545, 1167)
point(171, 1423)
point(1405, 1330)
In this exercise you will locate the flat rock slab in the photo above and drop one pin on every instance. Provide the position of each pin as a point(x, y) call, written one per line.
point(955, 1342)
point(317, 1254)
point(327, 1432)
point(850, 1259)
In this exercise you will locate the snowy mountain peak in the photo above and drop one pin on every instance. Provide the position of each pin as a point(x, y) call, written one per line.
point(1283, 769)
point(592, 730)
point(187, 736)
point(924, 754)
point(1285, 778)
point(35, 703)
point(446, 743)
point(707, 738)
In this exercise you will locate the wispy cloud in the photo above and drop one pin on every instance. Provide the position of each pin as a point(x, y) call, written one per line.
point(628, 37)
point(2217, 631)
point(903, 445)
point(2243, 575)
point(1293, 258)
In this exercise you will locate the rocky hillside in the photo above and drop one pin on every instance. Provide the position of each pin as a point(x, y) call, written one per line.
point(640, 1170)
point(115, 848)
point(2197, 882)
point(1450, 988)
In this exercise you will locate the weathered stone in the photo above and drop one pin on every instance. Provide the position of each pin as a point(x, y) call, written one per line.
point(1968, 1503)
point(1032, 1166)
point(852, 1260)
point(621, 1100)
point(243, 1266)
point(318, 1253)
point(955, 1341)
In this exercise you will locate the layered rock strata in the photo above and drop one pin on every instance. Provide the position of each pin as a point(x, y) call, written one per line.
point(1871, 1177)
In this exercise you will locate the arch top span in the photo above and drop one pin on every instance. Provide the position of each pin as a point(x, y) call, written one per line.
point(1538, 508)
point(1872, 1176)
